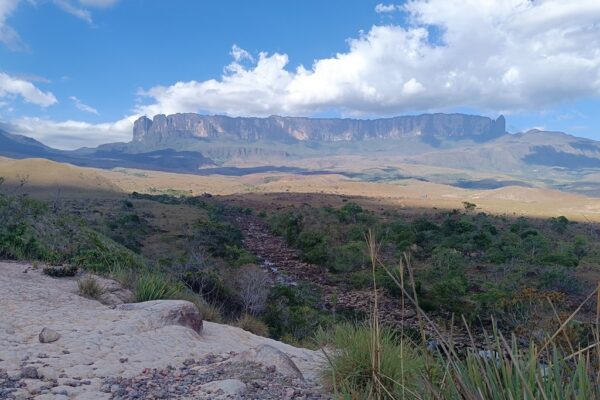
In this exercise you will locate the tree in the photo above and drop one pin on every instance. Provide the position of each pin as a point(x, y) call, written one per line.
point(469, 206)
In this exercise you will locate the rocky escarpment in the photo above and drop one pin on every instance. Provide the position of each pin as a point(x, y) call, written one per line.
point(55, 344)
point(430, 127)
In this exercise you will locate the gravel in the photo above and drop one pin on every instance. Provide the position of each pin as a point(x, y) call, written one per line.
point(187, 382)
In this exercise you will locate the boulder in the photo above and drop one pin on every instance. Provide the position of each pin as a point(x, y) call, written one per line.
point(48, 335)
point(113, 293)
point(272, 357)
point(161, 313)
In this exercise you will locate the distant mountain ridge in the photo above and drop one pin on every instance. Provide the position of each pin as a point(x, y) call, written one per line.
point(428, 127)
point(470, 144)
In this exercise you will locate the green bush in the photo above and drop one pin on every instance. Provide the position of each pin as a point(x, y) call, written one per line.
point(292, 311)
point(559, 224)
point(560, 279)
point(349, 213)
point(314, 247)
point(349, 257)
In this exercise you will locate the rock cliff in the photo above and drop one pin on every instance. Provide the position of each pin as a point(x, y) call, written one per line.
point(428, 126)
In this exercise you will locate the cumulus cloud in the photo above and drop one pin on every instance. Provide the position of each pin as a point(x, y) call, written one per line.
point(386, 8)
point(502, 56)
point(11, 86)
point(73, 134)
point(82, 106)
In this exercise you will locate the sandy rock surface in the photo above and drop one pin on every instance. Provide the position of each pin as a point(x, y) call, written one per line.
point(97, 343)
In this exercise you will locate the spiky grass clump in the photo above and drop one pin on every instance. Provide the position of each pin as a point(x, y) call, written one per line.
point(370, 362)
point(400, 366)
point(155, 286)
point(518, 375)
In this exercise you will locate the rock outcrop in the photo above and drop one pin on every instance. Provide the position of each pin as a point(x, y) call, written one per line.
point(430, 127)
point(142, 350)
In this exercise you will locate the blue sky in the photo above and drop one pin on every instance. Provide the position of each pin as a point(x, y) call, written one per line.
point(78, 72)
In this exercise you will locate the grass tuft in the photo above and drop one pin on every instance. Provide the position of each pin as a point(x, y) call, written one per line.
point(89, 287)
point(208, 311)
point(251, 324)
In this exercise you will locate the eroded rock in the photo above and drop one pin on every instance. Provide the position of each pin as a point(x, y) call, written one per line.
point(168, 312)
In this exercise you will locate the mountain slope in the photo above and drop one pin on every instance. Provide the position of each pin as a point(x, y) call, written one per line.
point(19, 147)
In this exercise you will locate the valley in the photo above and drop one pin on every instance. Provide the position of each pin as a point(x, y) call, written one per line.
point(463, 237)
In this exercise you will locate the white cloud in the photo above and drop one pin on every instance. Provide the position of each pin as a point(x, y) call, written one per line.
point(81, 13)
point(98, 3)
point(240, 54)
point(12, 86)
point(73, 134)
point(502, 56)
point(386, 8)
point(78, 8)
point(8, 36)
point(82, 106)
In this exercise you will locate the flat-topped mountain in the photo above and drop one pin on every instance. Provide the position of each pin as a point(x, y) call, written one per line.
point(470, 144)
point(428, 127)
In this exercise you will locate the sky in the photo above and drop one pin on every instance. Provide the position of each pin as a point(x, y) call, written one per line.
point(77, 73)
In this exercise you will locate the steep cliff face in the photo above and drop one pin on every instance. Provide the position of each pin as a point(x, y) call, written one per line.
point(430, 127)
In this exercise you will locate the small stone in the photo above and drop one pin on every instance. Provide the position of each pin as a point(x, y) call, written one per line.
point(123, 360)
point(48, 335)
point(29, 373)
point(230, 387)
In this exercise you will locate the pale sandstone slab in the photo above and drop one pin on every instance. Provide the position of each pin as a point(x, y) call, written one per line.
point(97, 341)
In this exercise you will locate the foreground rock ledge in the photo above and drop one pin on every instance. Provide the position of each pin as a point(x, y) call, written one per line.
point(97, 341)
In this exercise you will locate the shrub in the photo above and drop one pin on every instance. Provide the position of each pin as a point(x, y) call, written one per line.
point(60, 271)
point(558, 278)
point(314, 247)
point(291, 311)
point(214, 289)
point(349, 212)
point(349, 256)
point(559, 224)
point(251, 324)
point(154, 286)
point(89, 287)
point(252, 284)
point(287, 225)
